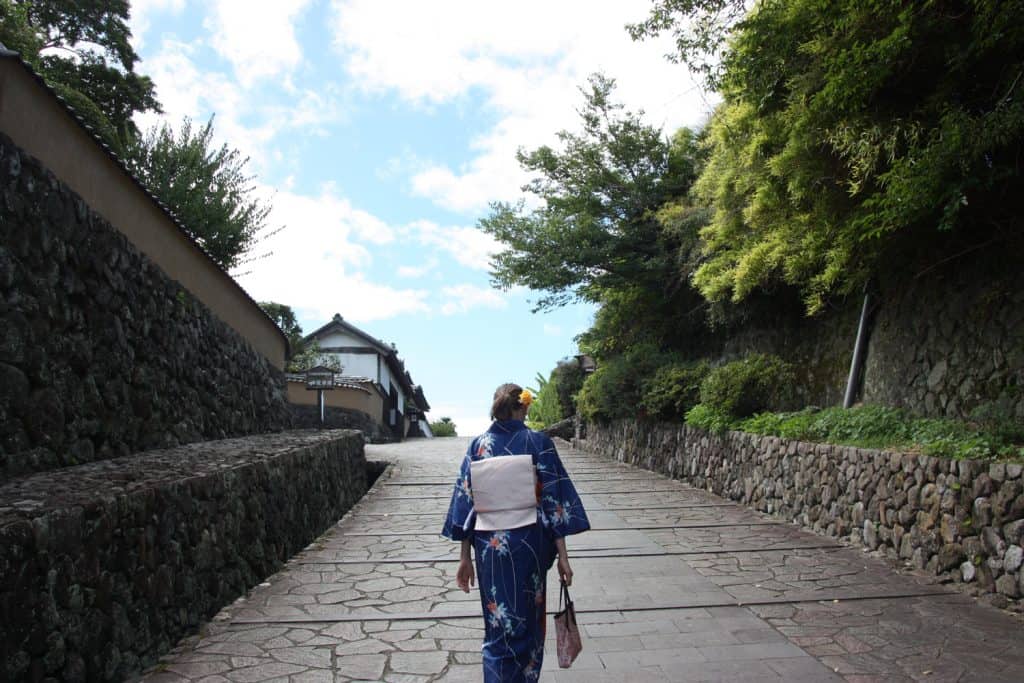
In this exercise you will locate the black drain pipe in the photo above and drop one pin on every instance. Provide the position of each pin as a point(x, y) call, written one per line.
point(860, 350)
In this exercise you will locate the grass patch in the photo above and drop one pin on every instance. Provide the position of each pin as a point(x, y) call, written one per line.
point(875, 427)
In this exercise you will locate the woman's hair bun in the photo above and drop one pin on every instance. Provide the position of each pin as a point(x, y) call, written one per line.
point(506, 401)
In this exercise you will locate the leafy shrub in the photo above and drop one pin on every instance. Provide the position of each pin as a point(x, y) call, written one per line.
point(741, 388)
point(599, 399)
point(545, 409)
point(868, 426)
point(568, 379)
point(673, 390)
point(955, 439)
point(614, 390)
point(880, 427)
point(999, 417)
point(709, 419)
point(798, 426)
point(443, 427)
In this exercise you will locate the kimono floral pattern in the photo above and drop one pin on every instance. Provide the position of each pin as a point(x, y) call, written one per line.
point(497, 543)
point(512, 564)
point(484, 445)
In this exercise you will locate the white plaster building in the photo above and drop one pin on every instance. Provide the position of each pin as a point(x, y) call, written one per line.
point(367, 361)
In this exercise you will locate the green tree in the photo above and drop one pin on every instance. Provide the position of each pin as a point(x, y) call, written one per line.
point(309, 356)
point(594, 229)
point(205, 187)
point(612, 226)
point(443, 427)
point(16, 33)
point(700, 28)
point(88, 59)
point(284, 316)
point(856, 138)
point(304, 354)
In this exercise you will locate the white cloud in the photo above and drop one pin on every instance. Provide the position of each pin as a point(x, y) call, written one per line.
point(418, 271)
point(142, 13)
point(465, 297)
point(182, 88)
point(247, 122)
point(185, 90)
point(470, 247)
point(315, 261)
point(527, 60)
point(401, 165)
point(258, 39)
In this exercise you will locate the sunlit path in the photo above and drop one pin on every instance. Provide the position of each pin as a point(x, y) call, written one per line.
point(672, 584)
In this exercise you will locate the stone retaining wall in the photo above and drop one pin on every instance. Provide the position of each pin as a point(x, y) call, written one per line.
point(949, 343)
point(944, 344)
point(105, 566)
point(960, 519)
point(563, 429)
point(101, 353)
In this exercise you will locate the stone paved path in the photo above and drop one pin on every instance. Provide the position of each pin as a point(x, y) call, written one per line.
point(673, 584)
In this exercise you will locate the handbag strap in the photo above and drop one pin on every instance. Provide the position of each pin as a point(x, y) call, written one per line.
point(563, 593)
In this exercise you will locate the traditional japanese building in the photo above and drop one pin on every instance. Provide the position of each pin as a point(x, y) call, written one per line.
point(372, 380)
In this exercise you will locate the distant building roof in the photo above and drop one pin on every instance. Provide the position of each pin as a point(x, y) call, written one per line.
point(388, 351)
point(340, 324)
point(340, 381)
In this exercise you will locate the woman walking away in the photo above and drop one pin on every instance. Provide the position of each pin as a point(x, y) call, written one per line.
point(515, 504)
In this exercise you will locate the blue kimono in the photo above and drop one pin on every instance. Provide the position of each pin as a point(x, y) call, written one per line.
point(512, 564)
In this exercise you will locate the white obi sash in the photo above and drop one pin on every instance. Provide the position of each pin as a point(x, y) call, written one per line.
point(504, 492)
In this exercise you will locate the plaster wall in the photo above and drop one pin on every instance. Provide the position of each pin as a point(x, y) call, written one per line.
point(369, 402)
point(36, 122)
point(339, 338)
point(357, 364)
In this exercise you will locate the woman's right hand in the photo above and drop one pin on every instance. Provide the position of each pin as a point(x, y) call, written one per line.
point(465, 576)
point(564, 570)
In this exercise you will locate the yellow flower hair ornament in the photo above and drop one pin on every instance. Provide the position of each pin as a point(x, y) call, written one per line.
point(525, 398)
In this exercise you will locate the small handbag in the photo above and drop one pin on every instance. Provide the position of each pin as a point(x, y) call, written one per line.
point(567, 633)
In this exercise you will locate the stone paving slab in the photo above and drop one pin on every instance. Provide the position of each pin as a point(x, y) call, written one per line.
point(948, 638)
point(673, 584)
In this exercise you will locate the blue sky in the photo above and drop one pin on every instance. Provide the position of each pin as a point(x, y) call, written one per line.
point(379, 132)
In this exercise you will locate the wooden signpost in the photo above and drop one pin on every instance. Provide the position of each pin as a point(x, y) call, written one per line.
point(321, 379)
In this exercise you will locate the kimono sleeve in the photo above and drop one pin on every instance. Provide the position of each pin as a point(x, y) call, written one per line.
point(561, 509)
point(461, 518)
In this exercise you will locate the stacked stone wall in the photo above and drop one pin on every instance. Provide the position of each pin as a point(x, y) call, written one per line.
point(818, 348)
point(563, 429)
point(962, 520)
point(941, 345)
point(104, 566)
point(102, 354)
point(946, 344)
